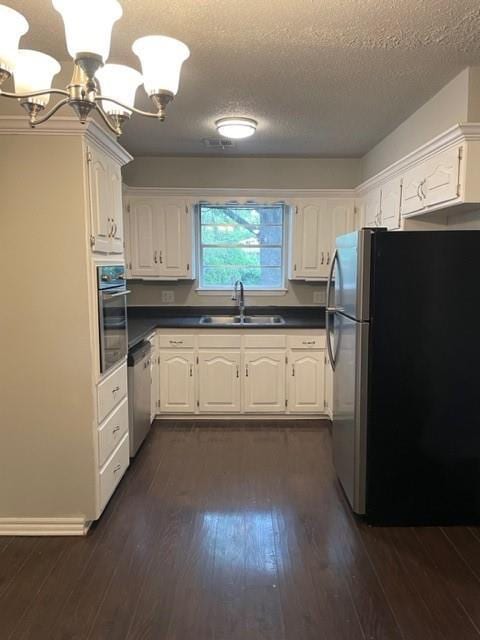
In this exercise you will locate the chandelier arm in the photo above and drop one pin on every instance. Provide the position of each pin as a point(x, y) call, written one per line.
point(107, 121)
point(33, 94)
point(34, 121)
point(139, 112)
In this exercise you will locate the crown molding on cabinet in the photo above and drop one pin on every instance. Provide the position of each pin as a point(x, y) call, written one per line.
point(65, 126)
point(469, 131)
point(242, 195)
point(43, 527)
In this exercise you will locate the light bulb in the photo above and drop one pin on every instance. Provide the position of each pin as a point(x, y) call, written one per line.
point(119, 82)
point(34, 71)
point(236, 128)
point(161, 58)
point(12, 27)
point(88, 26)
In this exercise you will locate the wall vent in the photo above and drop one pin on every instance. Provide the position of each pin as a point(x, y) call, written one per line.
point(218, 143)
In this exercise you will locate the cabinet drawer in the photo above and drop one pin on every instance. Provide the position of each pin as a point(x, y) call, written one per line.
point(111, 391)
point(262, 341)
point(220, 342)
point(112, 431)
point(306, 342)
point(176, 342)
point(113, 471)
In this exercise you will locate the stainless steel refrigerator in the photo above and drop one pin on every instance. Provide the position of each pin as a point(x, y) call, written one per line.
point(404, 340)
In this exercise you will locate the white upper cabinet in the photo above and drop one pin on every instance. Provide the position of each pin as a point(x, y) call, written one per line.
point(433, 182)
point(372, 208)
point(160, 238)
point(105, 194)
point(264, 386)
point(219, 382)
point(391, 195)
point(315, 225)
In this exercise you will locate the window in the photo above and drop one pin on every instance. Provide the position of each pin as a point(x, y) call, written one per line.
point(242, 243)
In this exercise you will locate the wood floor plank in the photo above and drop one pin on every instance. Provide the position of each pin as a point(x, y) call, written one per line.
point(237, 530)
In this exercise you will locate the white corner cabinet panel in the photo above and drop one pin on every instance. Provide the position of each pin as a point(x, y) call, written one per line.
point(105, 198)
point(380, 207)
point(315, 224)
point(243, 372)
point(159, 240)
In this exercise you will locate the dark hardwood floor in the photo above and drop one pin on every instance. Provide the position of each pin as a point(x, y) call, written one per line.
point(239, 531)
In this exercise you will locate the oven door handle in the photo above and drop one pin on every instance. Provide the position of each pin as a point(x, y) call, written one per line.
point(109, 296)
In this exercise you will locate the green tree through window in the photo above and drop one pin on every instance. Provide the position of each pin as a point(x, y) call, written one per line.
point(241, 243)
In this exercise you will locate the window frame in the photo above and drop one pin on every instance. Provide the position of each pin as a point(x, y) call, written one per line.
point(222, 290)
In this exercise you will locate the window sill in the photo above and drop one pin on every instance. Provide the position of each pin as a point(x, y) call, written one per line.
point(248, 292)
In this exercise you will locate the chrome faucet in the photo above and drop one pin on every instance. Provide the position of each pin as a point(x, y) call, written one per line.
point(239, 297)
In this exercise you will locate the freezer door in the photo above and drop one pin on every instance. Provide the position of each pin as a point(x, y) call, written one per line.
point(352, 274)
point(350, 343)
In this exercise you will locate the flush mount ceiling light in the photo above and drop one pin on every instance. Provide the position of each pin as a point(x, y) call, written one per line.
point(107, 88)
point(236, 128)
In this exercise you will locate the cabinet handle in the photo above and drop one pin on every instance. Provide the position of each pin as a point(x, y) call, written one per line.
point(323, 258)
point(115, 389)
point(293, 370)
point(109, 227)
point(191, 370)
point(246, 371)
point(117, 468)
point(114, 229)
point(160, 257)
point(238, 371)
point(115, 429)
point(155, 259)
point(328, 257)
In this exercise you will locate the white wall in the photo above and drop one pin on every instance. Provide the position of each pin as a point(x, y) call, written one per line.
point(447, 108)
point(248, 173)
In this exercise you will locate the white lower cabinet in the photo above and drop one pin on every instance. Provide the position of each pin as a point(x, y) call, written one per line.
point(112, 472)
point(306, 386)
point(219, 382)
point(242, 372)
point(264, 384)
point(177, 381)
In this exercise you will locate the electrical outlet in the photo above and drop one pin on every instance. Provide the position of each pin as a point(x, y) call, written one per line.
point(168, 297)
point(319, 297)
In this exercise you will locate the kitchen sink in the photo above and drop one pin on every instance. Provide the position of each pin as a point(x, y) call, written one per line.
point(238, 320)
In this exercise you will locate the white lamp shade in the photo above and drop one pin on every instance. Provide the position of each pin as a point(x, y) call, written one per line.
point(236, 128)
point(119, 82)
point(161, 58)
point(12, 27)
point(88, 25)
point(34, 71)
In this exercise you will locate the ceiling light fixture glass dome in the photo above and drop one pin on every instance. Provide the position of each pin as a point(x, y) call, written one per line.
point(236, 128)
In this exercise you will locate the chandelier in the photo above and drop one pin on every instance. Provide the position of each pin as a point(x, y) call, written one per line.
point(108, 89)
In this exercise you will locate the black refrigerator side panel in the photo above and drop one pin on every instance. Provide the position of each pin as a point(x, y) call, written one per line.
point(424, 387)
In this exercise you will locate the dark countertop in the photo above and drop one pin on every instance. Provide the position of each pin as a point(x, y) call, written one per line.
point(143, 320)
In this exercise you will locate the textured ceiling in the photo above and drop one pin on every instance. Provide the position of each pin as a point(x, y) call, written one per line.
point(322, 77)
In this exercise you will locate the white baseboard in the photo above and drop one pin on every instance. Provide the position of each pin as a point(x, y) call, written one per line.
point(43, 526)
point(242, 416)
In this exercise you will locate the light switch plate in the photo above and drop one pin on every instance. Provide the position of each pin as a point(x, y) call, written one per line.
point(168, 297)
point(319, 297)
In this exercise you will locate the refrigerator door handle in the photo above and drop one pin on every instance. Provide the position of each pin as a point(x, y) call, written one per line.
point(330, 310)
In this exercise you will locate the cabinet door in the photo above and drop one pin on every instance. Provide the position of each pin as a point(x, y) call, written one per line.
point(371, 208)
point(312, 232)
point(306, 382)
point(264, 382)
point(177, 382)
point(127, 239)
point(442, 177)
point(342, 214)
point(144, 238)
point(115, 179)
point(173, 260)
point(219, 382)
point(412, 194)
point(328, 386)
point(391, 200)
point(154, 367)
point(100, 200)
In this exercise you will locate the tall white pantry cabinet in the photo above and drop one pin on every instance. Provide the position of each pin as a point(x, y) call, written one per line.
point(66, 446)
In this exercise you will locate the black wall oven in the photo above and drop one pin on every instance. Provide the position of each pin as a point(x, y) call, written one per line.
point(112, 314)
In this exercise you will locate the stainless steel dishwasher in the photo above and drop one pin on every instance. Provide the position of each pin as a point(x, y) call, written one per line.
point(139, 389)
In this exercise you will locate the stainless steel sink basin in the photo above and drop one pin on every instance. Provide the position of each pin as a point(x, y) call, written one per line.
point(215, 320)
point(238, 320)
